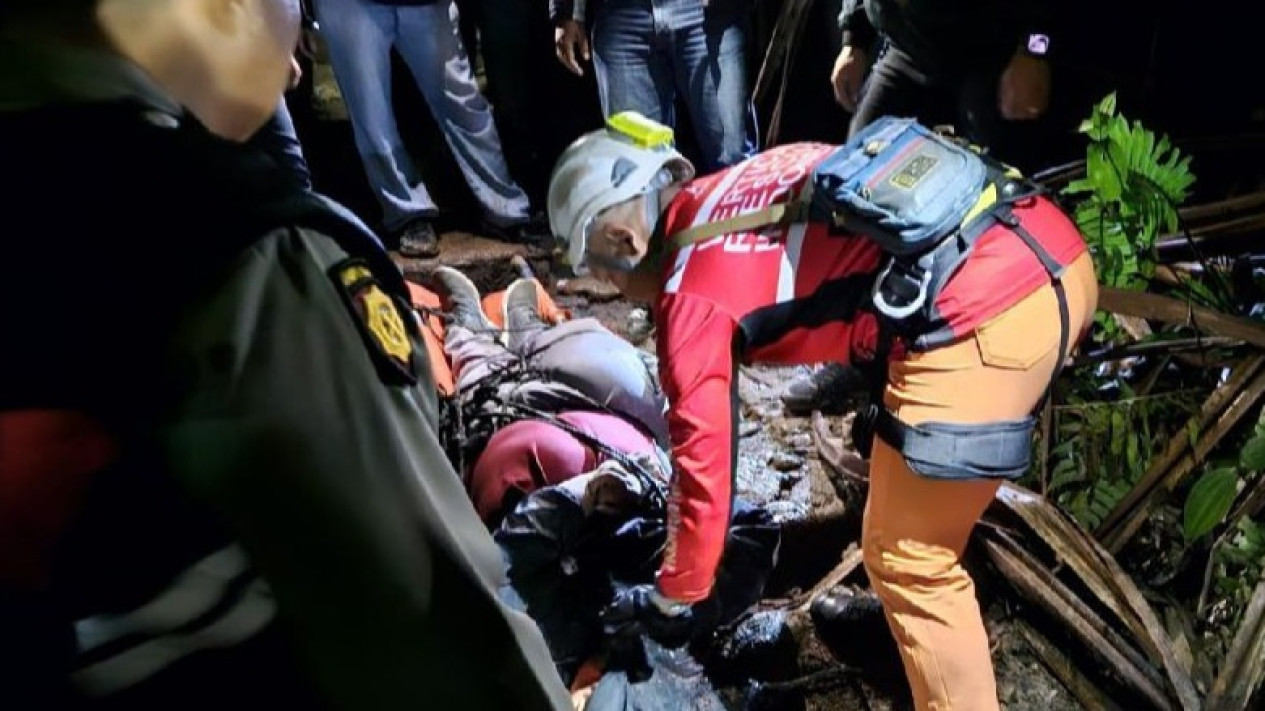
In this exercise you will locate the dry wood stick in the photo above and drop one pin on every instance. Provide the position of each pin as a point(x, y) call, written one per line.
point(1104, 576)
point(1223, 207)
point(1068, 603)
point(1210, 231)
point(1189, 460)
point(1244, 665)
point(1169, 310)
point(1039, 591)
point(1178, 445)
point(1058, 663)
point(848, 562)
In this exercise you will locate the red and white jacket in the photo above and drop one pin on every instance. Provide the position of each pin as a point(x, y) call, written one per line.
point(786, 295)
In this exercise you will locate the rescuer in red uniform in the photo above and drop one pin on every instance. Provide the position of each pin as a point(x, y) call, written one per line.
point(800, 293)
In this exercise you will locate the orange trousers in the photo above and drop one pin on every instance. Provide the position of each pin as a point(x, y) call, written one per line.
point(916, 528)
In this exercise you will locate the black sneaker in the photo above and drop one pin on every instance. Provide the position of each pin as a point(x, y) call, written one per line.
point(521, 314)
point(463, 303)
point(418, 240)
point(828, 390)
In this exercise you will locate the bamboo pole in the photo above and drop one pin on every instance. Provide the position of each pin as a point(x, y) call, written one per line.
point(1244, 665)
point(1219, 208)
point(1169, 310)
point(1189, 460)
point(1062, 668)
point(1066, 603)
point(1105, 578)
point(1208, 413)
point(1041, 589)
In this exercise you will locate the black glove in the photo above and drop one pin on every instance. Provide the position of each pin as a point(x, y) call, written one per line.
point(634, 612)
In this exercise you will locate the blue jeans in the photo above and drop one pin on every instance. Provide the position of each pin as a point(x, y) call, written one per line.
point(360, 35)
point(642, 65)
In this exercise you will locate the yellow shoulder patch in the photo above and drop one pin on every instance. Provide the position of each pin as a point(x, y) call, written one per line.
point(379, 320)
point(352, 273)
point(384, 322)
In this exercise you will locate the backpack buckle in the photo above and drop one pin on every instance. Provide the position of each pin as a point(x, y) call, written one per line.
point(901, 289)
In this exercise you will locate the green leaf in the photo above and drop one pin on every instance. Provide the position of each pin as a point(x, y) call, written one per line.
point(1248, 535)
point(1253, 456)
point(1209, 501)
point(1065, 473)
point(1079, 186)
point(1134, 181)
point(1108, 104)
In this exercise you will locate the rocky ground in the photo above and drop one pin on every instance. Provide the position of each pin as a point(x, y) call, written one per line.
point(778, 658)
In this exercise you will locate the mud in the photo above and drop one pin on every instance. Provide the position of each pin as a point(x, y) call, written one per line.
point(777, 658)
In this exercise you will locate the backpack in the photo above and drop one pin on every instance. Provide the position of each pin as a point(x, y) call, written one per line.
point(907, 188)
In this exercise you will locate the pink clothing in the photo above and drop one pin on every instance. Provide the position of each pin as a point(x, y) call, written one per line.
point(527, 453)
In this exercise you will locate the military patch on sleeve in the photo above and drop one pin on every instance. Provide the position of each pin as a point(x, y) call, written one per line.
point(382, 323)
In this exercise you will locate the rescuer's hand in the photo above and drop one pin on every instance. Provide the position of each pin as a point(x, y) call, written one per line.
point(642, 609)
point(1023, 93)
point(848, 76)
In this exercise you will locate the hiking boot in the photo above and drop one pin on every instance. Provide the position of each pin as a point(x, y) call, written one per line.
point(842, 606)
point(827, 390)
point(852, 624)
point(418, 240)
point(464, 307)
point(521, 312)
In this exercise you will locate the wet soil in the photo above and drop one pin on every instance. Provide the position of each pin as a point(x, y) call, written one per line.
point(778, 658)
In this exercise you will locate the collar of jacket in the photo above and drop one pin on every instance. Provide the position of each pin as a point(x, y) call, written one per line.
point(38, 72)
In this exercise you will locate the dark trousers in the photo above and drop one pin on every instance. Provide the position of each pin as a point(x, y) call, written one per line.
point(964, 98)
point(539, 106)
point(279, 139)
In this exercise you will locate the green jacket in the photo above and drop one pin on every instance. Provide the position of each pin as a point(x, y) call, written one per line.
point(277, 488)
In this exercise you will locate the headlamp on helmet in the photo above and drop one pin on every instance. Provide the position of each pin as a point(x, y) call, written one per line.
point(640, 131)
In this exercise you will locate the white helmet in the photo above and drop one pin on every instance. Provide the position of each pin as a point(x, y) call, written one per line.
point(604, 168)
